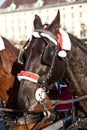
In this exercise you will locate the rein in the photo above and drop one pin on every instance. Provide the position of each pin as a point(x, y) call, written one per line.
point(54, 102)
point(35, 116)
point(40, 117)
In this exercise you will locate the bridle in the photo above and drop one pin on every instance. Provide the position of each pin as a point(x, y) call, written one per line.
point(43, 89)
point(41, 92)
point(30, 117)
point(43, 34)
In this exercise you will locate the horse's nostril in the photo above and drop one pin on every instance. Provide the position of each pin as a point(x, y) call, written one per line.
point(21, 103)
point(26, 101)
point(19, 100)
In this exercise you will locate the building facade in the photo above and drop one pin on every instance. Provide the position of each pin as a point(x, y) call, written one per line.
point(16, 23)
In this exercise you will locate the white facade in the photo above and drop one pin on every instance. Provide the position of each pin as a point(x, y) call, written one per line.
point(17, 24)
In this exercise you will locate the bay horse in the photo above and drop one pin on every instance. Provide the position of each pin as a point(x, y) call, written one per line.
point(9, 67)
point(43, 68)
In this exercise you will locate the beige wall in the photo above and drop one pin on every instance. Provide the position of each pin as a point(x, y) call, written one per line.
point(18, 24)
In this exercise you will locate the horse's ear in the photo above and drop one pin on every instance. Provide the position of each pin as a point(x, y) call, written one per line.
point(55, 25)
point(37, 22)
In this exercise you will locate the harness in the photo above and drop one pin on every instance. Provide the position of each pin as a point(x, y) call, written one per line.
point(40, 117)
point(41, 92)
point(46, 114)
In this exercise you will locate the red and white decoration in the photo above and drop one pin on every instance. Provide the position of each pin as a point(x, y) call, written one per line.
point(64, 41)
point(27, 75)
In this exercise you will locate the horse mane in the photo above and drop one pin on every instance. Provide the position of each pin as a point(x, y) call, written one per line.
point(76, 74)
point(79, 42)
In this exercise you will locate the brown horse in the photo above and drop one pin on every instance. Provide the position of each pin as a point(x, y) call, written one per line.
point(43, 68)
point(8, 72)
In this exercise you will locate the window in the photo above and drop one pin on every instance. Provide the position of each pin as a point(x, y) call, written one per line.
point(72, 15)
point(83, 30)
point(83, 33)
point(80, 14)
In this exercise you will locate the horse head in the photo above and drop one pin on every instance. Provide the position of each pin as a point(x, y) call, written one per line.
point(8, 81)
point(43, 67)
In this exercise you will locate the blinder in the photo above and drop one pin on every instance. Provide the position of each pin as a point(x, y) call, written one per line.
point(47, 55)
point(21, 58)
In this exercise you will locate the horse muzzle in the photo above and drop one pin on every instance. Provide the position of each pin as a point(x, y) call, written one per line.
point(24, 103)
